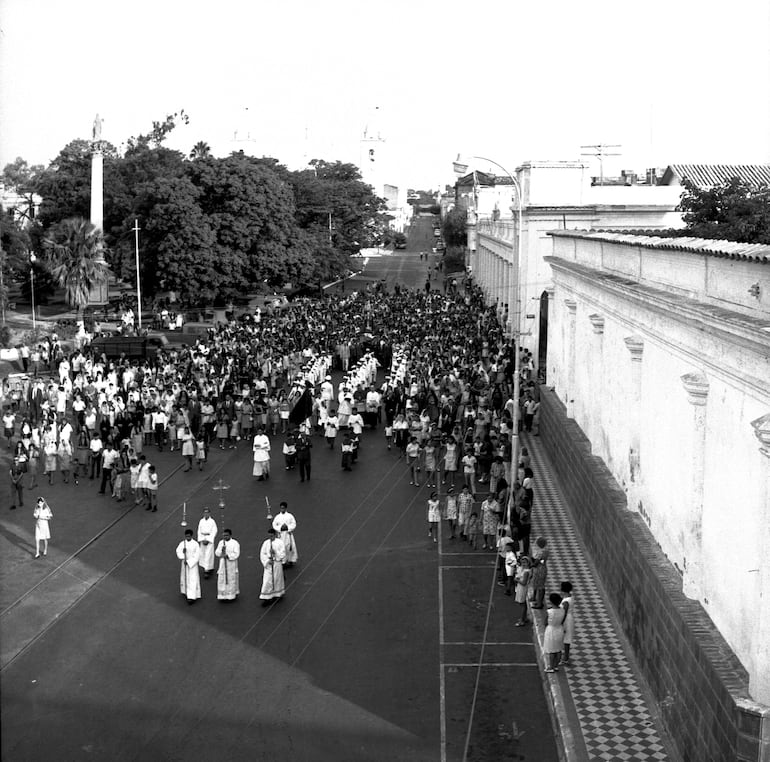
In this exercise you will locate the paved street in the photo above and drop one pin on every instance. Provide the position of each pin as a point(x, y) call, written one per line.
point(386, 646)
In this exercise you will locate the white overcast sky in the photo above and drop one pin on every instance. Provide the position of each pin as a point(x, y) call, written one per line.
point(672, 81)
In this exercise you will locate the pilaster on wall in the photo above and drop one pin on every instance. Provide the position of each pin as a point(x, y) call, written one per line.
point(760, 683)
point(697, 387)
point(571, 306)
point(635, 346)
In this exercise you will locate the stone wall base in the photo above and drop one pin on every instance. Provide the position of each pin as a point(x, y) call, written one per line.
point(698, 682)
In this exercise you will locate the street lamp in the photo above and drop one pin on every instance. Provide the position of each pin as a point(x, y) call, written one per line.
point(461, 168)
point(32, 259)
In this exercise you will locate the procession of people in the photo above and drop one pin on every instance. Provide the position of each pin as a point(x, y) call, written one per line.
point(434, 370)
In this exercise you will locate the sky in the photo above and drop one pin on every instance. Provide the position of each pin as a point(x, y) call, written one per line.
point(669, 81)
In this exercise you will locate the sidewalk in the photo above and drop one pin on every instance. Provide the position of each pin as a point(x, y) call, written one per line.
point(600, 702)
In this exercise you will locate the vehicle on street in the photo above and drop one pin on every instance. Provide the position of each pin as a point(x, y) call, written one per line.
point(131, 347)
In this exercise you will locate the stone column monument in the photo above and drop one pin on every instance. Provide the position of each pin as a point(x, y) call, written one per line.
point(100, 291)
point(97, 175)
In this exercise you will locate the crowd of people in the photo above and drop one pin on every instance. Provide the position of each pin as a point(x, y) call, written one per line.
point(434, 371)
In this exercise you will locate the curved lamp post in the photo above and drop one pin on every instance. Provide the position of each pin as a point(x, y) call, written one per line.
point(461, 168)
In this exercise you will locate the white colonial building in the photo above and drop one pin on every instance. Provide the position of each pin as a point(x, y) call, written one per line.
point(554, 195)
point(660, 350)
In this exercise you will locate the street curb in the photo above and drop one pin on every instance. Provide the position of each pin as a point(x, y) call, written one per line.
point(569, 739)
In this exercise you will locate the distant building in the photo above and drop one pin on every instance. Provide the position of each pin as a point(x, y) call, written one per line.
point(22, 207)
point(555, 195)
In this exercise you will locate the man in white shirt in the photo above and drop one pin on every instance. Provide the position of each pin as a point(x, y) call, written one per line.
point(159, 424)
point(95, 448)
point(109, 457)
point(207, 534)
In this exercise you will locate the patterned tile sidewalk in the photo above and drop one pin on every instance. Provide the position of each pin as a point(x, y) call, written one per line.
point(617, 720)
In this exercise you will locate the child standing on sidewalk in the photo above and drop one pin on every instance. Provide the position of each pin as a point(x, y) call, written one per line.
point(200, 450)
point(523, 575)
point(152, 489)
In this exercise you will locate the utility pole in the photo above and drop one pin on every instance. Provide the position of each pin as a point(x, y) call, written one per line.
point(2, 282)
point(138, 280)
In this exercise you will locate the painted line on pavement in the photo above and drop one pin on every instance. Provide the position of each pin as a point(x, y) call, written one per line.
point(77, 552)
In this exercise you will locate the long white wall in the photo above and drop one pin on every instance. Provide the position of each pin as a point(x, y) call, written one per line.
point(663, 359)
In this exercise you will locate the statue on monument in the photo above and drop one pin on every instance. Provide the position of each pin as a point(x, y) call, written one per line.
point(97, 131)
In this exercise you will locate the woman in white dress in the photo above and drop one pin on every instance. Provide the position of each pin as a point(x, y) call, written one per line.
point(434, 516)
point(42, 516)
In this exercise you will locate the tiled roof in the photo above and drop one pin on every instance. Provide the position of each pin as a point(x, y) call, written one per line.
point(751, 252)
point(709, 175)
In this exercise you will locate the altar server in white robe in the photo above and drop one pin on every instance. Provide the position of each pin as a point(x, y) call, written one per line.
point(284, 524)
point(228, 552)
point(272, 555)
point(188, 552)
point(207, 535)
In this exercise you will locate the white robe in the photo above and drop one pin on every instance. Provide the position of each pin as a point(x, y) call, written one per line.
point(261, 449)
point(189, 577)
point(287, 535)
point(207, 535)
point(272, 555)
point(228, 582)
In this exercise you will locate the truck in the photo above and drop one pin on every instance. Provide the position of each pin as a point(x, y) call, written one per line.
point(131, 347)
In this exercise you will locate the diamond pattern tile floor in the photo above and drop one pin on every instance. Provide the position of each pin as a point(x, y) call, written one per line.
point(616, 721)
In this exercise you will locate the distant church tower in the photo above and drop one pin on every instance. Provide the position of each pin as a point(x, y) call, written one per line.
point(372, 154)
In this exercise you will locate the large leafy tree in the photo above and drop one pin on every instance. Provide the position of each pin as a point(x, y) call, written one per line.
point(334, 203)
point(251, 213)
point(133, 180)
point(214, 225)
point(75, 253)
point(177, 242)
point(734, 211)
point(453, 227)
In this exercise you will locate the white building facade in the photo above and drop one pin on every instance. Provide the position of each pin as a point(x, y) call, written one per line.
point(660, 350)
point(555, 195)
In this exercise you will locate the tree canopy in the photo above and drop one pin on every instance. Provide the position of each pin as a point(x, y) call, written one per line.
point(208, 225)
point(453, 227)
point(734, 211)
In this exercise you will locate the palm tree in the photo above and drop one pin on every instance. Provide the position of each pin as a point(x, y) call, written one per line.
point(75, 252)
point(200, 150)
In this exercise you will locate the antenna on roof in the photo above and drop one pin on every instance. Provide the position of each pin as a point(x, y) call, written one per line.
point(600, 151)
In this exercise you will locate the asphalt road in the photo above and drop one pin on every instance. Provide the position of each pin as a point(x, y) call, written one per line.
point(386, 646)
